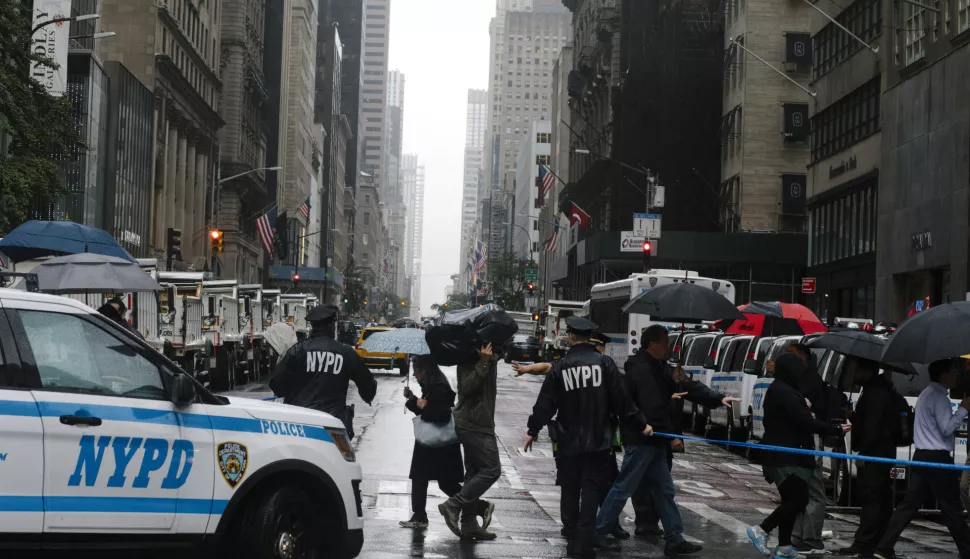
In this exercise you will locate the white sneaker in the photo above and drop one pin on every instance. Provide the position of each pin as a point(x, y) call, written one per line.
point(786, 552)
point(759, 538)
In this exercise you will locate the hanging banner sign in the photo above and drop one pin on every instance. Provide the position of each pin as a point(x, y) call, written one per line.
point(51, 41)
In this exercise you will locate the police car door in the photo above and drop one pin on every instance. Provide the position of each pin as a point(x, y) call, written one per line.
point(114, 457)
point(21, 446)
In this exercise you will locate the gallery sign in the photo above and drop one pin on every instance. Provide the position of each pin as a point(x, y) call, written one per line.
point(51, 41)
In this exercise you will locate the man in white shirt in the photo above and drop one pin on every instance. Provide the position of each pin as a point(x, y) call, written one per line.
point(933, 437)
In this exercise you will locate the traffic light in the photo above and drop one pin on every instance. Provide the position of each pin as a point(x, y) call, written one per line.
point(216, 238)
point(404, 303)
point(535, 317)
point(346, 300)
point(531, 288)
point(296, 276)
point(647, 253)
point(173, 245)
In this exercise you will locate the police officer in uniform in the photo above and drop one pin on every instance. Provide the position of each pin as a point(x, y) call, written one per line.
point(316, 372)
point(585, 388)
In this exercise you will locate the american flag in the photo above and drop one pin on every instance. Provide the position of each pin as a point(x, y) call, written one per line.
point(266, 227)
point(384, 263)
point(546, 180)
point(552, 241)
point(305, 209)
point(480, 253)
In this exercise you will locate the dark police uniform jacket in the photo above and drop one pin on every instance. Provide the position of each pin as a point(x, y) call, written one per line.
point(586, 389)
point(316, 373)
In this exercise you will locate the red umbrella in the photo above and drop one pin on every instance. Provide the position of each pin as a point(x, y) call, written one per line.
point(774, 319)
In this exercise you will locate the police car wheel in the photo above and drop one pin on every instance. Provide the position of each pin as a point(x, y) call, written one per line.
point(287, 525)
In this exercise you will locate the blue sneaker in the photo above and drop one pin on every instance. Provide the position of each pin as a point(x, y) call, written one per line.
point(759, 538)
point(785, 552)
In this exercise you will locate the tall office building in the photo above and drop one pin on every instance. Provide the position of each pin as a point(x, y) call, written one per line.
point(348, 15)
point(476, 116)
point(396, 206)
point(526, 36)
point(412, 189)
point(373, 95)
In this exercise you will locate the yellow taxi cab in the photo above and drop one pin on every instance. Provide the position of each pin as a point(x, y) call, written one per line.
point(375, 360)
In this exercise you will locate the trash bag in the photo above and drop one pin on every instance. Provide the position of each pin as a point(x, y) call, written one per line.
point(455, 340)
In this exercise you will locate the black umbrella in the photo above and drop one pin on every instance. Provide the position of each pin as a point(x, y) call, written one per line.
point(934, 334)
point(863, 345)
point(683, 301)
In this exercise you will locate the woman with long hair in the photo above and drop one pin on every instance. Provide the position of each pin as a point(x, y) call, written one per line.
point(441, 464)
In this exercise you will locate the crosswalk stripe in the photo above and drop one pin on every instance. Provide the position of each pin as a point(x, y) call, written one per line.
point(729, 523)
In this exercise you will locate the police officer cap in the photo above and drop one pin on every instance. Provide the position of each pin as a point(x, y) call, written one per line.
point(599, 338)
point(322, 313)
point(580, 325)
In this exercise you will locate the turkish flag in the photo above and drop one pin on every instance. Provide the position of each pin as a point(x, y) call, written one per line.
point(577, 215)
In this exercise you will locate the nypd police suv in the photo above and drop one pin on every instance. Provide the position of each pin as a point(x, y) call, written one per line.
point(104, 441)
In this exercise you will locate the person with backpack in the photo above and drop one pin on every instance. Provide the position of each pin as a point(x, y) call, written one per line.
point(875, 410)
point(934, 438)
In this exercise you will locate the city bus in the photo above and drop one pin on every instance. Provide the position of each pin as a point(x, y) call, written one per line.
point(608, 299)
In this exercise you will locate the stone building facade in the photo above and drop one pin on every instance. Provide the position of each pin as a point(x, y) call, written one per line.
point(172, 48)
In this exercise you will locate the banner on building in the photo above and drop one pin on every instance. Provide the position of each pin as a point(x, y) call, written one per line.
point(796, 122)
point(793, 194)
point(51, 41)
point(798, 50)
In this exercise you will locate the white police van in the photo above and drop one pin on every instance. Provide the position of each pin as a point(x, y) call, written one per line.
point(104, 442)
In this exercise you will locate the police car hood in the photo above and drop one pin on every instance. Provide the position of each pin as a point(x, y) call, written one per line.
point(273, 411)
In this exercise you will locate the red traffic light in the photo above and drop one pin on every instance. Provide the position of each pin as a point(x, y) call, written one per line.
point(647, 247)
point(531, 286)
point(296, 276)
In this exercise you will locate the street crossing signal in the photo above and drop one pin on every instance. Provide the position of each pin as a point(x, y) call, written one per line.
point(535, 317)
point(216, 239)
point(173, 245)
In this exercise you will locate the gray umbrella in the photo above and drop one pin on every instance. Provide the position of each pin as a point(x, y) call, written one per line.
point(92, 273)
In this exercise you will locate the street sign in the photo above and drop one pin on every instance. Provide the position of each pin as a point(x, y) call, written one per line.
point(646, 225)
point(531, 302)
point(630, 242)
point(808, 286)
point(531, 274)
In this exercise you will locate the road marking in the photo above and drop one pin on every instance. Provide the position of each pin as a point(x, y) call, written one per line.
point(685, 464)
point(925, 540)
point(729, 523)
point(764, 510)
point(698, 488)
point(743, 468)
point(509, 471)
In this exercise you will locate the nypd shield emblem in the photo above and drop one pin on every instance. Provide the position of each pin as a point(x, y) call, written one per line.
point(233, 458)
point(653, 282)
point(715, 285)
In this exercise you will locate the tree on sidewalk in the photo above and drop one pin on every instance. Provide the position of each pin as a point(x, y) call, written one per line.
point(39, 128)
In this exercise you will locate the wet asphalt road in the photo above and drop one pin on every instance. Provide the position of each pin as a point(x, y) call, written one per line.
point(719, 493)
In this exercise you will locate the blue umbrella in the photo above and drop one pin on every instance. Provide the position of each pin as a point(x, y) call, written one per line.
point(36, 239)
point(401, 340)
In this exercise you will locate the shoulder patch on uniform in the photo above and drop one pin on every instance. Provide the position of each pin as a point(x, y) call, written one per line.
point(233, 459)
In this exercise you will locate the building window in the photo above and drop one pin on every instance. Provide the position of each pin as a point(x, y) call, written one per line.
point(542, 160)
point(941, 18)
point(848, 121)
point(844, 227)
point(366, 218)
point(914, 31)
point(831, 45)
point(963, 15)
point(543, 138)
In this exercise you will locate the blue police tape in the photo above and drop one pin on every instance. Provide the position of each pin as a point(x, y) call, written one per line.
point(861, 458)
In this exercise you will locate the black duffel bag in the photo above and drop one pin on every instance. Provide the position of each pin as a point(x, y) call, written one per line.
point(461, 333)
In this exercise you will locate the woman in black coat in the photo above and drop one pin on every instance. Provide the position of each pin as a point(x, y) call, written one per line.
point(788, 422)
point(442, 464)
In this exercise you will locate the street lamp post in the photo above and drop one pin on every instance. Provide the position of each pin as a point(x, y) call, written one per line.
point(43, 24)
